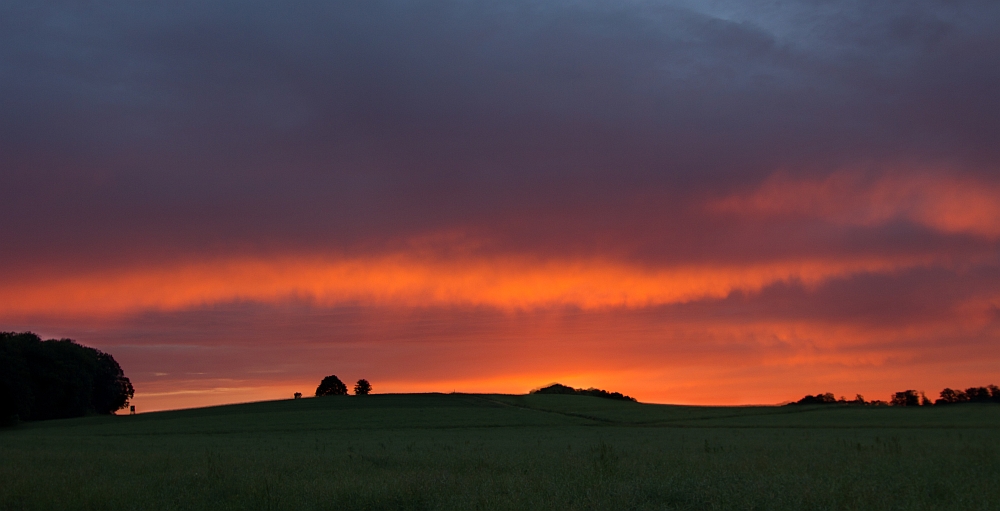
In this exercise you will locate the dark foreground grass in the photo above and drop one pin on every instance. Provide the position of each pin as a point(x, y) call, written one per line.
point(507, 452)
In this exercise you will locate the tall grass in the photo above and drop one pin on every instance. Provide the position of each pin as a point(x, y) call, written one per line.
point(456, 452)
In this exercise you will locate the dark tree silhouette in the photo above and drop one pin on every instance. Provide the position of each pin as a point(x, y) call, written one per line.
point(362, 387)
point(818, 399)
point(906, 398)
point(331, 386)
point(979, 394)
point(924, 401)
point(112, 390)
point(558, 388)
point(57, 379)
point(555, 388)
point(987, 394)
point(949, 396)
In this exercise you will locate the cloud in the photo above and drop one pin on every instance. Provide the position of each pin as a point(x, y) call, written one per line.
point(138, 131)
point(401, 280)
point(942, 201)
point(725, 186)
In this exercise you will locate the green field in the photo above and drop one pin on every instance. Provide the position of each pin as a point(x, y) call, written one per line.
point(461, 451)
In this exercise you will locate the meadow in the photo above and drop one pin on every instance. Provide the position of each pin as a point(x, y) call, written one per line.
point(464, 451)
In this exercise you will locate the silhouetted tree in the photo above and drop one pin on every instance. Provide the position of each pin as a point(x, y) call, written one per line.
point(906, 398)
point(331, 386)
point(362, 387)
point(605, 394)
point(15, 379)
point(112, 390)
point(987, 394)
point(57, 379)
point(978, 394)
point(557, 388)
point(818, 399)
point(949, 396)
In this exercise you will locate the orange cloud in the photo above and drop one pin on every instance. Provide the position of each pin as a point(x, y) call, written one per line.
point(947, 203)
point(399, 280)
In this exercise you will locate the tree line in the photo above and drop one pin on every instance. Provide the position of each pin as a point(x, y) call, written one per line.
point(57, 379)
point(987, 394)
point(558, 388)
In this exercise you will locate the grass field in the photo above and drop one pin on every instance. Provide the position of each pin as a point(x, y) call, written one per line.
point(459, 451)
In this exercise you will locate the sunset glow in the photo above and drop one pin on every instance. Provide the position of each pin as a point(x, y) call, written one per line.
point(685, 202)
point(503, 284)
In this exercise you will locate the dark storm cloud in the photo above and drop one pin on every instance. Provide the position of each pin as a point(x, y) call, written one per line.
point(138, 129)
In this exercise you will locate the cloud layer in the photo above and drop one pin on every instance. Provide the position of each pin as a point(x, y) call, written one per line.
point(727, 183)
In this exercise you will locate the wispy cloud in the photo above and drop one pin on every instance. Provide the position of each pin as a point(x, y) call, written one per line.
point(945, 201)
point(400, 280)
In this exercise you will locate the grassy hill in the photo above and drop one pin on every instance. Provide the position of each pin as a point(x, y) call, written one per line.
point(462, 451)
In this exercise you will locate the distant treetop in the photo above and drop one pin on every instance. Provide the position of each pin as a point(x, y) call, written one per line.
point(362, 387)
point(558, 388)
point(818, 399)
point(987, 394)
point(331, 386)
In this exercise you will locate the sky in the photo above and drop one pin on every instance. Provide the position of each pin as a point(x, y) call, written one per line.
point(692, 202)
